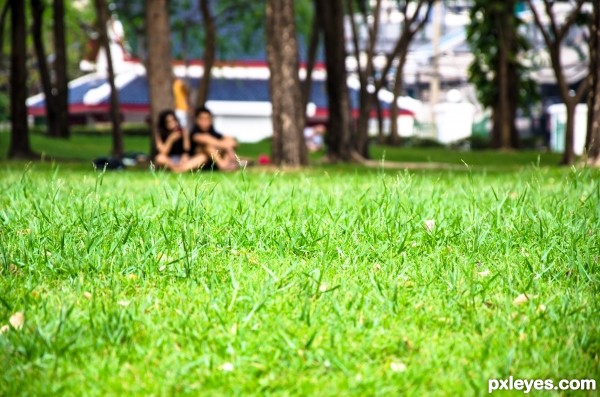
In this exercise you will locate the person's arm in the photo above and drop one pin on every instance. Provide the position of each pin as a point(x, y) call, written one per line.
point(160, 145)
point(165, 147)
point(187, 147)
point(207, 139)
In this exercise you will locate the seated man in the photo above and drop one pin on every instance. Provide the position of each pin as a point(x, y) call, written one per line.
point(204, 138)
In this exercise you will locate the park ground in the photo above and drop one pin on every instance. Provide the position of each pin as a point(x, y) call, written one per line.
point(333, 280)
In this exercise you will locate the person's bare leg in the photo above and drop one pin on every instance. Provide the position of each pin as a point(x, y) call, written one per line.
point(195, 162)
point(164, 161)
point(221, 161)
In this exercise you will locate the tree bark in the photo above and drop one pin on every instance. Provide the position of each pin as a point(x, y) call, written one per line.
point(311, 57)
point(19, 137)
point(60, 69)
point(397, 91)
point(413, 23)
point(288, 145)
point(159, 69)
point(115, 114)
point(3, 15)
point(209, 52)
point(593, 134)
point(553, 37)
point(361, 138)
point(339, 128)
point(50, 102)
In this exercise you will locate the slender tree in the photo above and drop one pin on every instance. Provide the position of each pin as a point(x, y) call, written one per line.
point(3, 18)
point(158, 62)
point(593, 131)
point(37, 10)
point(61, 85)
point(55, 90)
point(210, 40)
point(288, 146)
point(413, 22)
point(115, 114)
point(497, 71)
point(553, 35)
point(339, 129)
point(311, 58)
point(19, 137)
point(361, 136)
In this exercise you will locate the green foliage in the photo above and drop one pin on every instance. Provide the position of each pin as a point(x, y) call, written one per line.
point(482, 34)
point(322, 282)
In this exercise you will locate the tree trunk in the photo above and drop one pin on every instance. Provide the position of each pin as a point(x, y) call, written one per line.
point(61, 86)
point(361, 138)
point(209, 52)
point(19, 136)
point(397, 91)
point(115, 114)
point(311, 57)
point(553, 38)
point(593, 134)
point(339, 132)
point(3, 15)
point(51, 105)
point(159, 69)
point(286, 97)
point(504, 130)
point(380, 126)
point(569, 154)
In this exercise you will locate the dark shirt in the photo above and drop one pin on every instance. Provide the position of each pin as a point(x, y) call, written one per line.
point(177, 147)
point(196, 130)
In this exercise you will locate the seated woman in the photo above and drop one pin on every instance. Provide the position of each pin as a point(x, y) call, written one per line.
point(173, 145)
point(220, 148)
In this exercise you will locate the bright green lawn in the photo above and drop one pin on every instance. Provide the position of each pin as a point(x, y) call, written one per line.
point(321, 282)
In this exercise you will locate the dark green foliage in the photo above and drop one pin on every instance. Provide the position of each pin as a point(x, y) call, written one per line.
point(483, 36)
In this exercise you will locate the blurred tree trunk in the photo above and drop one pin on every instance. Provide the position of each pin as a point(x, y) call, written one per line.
point(158, 63)
point(288, 147)
point(3, 15)
point(505, 129)
point(60, 69)
point(311, 57)
point(209, 52)
point(414, 22)
point(593, 134)
point(553, 36)
point(397, 90)
point(339, 128)
point(19, 147)
point(115, 109)
point(55, 92)
point(361, 137)
point(50, 102)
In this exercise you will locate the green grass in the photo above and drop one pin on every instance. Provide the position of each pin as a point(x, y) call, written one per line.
point(316, 282)
point(83, 147)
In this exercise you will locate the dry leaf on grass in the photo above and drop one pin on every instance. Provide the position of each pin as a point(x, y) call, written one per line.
point(397, 366)
point(17, 320)
point(227, 367)
point(523, 298)
point(429, 225)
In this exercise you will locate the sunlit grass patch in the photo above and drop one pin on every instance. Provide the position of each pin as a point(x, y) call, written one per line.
point(320, 282)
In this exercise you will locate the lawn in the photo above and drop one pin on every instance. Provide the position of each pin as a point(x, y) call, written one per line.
point(85, 147)
point(328, 281)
